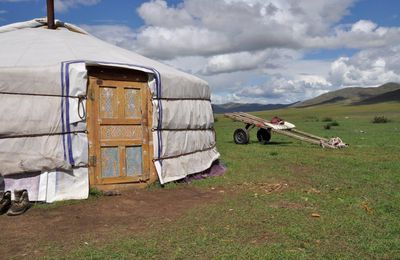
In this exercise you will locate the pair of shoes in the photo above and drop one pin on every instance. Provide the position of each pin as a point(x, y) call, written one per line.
point(20, 204)
point(5, 201)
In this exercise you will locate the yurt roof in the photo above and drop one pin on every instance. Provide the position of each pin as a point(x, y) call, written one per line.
point(30, 43)
point(29, 48)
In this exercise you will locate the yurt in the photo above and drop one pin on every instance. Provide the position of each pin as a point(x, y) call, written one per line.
point(77, 112)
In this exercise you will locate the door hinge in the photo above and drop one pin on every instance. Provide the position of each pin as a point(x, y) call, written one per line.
point(92, 161)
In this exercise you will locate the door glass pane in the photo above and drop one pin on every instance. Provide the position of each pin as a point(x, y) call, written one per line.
point(108, 102)
point(132, 103)
point(133, 160)
point(109, 162)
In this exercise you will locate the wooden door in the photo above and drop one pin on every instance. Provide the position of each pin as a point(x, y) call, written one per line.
point(118, 131)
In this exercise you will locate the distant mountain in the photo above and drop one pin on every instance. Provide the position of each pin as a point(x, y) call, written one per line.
point(238, 107)
point(356, 96)
point(350, 96)
point(385, 97)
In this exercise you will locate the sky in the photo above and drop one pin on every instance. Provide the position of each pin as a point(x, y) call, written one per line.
point(249, 51)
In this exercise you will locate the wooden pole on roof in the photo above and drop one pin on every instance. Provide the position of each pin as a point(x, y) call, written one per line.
point(50, 15)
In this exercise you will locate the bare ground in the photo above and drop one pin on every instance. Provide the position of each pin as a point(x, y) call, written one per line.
point(94, 221)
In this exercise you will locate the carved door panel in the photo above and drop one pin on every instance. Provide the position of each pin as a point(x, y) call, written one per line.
point(118, 132)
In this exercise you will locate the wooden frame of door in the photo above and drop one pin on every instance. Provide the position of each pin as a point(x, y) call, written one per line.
point(120, 79)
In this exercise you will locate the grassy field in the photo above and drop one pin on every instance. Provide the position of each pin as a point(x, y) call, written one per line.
point(288, 199)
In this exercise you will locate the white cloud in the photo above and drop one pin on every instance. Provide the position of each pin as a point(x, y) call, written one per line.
point(286, 90)
point(191, 64)
point(242, 61)
point(119, 35)
point(65, 5)
point(298, 80)
point(364, 26)
point(157, 13)
point(211, 27)
point(252, 50)
point(304, 79)
point(165, 43)
point(368, 68)
point(362, 34)
point(234, 62)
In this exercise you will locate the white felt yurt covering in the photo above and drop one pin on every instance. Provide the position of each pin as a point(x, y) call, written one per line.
point(43, 78)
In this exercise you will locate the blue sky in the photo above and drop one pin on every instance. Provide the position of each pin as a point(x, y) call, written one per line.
point(106, 11)
point(382, 12)
point(265, 51)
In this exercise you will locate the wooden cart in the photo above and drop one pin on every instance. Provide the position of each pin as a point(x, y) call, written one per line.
point(265, 129)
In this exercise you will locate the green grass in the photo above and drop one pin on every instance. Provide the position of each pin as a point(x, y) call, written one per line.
point(356, 192)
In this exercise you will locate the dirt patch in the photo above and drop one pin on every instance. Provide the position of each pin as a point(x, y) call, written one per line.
point(303, 174)
point(95, 221)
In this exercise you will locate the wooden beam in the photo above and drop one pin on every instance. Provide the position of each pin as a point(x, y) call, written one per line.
point(309, 135)
point(293, 133)
point(50, 15)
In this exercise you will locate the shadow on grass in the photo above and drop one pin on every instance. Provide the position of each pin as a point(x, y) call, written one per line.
point(279, 143)
point(257, 143)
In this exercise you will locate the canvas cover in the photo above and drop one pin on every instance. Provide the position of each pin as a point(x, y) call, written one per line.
point(43, 81)
point(49, 186)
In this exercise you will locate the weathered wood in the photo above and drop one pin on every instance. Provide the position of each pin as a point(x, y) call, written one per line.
point(50, 15)
point(293, 135)
point(152, 169)
point(120, 121)
point(308, 134)
point(259, 122)
point(90, 118)
point(146, 132)
point(255, 118)
point(249, 119)
point(108, 73)
point(121, 142)
point(121, 186)
point(121, 130)
point(121, 179)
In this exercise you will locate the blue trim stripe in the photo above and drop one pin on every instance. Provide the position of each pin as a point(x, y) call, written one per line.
point(67, 116)
point(160, 114)
point(65, 87)
point(70, 154)
point(62, 109)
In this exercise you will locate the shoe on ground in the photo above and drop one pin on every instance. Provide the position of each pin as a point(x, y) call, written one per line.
point(20, 204)
point(5, 201)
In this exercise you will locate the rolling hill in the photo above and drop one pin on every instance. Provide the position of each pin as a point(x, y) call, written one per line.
point(348, 96)
point(385, 97)
point(356, 96)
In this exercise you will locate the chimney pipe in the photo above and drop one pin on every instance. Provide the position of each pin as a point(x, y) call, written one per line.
point(50, 15)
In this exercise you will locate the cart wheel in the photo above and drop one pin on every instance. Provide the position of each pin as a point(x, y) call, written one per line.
point(263, 135)
point(241, 136)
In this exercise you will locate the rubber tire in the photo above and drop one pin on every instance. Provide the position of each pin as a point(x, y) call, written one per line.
point(241, 136)
point(263, 136)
